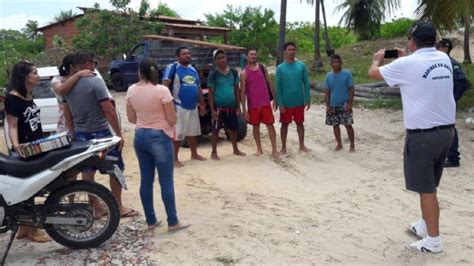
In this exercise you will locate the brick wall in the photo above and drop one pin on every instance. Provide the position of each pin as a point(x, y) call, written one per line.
point(66, 31)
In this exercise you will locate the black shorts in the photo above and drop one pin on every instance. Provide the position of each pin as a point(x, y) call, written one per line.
point(226, 118)
point(423, 159)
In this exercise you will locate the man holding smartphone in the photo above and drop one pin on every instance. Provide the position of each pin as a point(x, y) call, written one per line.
point(426, 86)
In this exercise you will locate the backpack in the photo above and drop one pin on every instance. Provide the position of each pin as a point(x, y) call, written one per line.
point(262, 68)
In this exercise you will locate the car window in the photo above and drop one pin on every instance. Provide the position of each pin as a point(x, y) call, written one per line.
point(43, 90)
point(139, 52)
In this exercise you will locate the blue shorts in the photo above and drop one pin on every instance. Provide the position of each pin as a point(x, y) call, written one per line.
point(83, 136)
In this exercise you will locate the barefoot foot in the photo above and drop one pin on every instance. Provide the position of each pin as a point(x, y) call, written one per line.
point(198, 157)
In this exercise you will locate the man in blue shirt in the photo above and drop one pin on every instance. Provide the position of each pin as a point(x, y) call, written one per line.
point(183, 80)
point(339, 95)
point(460, 85)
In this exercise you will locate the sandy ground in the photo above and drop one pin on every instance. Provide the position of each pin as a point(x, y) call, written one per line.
point(324, 207)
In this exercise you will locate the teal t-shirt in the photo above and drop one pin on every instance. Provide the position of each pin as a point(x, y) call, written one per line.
point(224, 88)
point(338, 85)
point(292, 84)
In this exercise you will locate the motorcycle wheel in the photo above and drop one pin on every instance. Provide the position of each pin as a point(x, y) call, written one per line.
point(95, 231)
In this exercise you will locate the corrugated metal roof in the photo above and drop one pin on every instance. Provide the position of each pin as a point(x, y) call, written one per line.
point(195, 42)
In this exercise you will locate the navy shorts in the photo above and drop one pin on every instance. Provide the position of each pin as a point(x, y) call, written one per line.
point(339, 117)
point(83, 136)
point(226, 118)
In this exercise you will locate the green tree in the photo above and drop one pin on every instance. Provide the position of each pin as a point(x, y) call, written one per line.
point(31, 29)
point(106, 34)
point(144, 6)
point(449, 15)
point(164, 10)
point(64, 15)
point(250, 27)
point(366, 16)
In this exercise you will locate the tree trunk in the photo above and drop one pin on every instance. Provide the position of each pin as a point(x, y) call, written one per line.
point(281, 36)
point(467, 54)
point(318, 64)
point(329, 49)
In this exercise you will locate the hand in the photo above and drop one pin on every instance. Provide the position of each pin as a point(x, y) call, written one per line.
point(121, 143)
point(348, 108)
point(18, 150)
point(202, 110)
point(275, 105)
point(282, 109)
point(247, 116)
point(237, 111)
point(214, 115)
point(329, 110)
point(378, 57)
point(86, 73)
point(401, 52)
point(308, 105)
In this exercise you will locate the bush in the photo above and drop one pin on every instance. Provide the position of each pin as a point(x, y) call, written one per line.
point(396, 28)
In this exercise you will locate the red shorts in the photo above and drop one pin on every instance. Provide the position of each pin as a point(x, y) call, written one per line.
point(292, 114)
point(261, 115)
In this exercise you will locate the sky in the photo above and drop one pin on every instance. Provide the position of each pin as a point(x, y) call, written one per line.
point(14, 14)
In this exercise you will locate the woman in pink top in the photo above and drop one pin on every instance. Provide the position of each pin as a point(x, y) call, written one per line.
point(150, 106)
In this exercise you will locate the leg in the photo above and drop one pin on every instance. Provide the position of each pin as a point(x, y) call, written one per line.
point(350, 133)
point(300, 130)
point(256, 136)
point(192, 142)
point(283, 134)
point(233, 138)
point(430, 212)
point(177, 163)
point(453, 154)
point(147, 177)
point(272, 135)
point(214, 136)
point(337, 135)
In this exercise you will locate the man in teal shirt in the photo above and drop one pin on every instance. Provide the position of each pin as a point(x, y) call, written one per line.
point(293, 95)
point(224, 101)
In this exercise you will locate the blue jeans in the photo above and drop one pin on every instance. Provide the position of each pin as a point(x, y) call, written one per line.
point(154, 149)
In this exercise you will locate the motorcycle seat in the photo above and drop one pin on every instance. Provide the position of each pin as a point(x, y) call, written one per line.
point(16, 166)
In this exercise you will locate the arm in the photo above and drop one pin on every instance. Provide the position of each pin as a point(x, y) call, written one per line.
point(237, 97)
point(306, 87)
point(202, 103)
point(351, 99)
point(243, 96)
point(377, 60)
point(327, 97)
point(68, 118)
point(13, 133)
point(64, 87)
point(166, 82)
point(210, 101)
point(170, 113)
point(131, 114)
point(111, 116)
point(279, 90)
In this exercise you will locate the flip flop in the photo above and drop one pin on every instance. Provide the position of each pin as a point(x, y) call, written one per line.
point(177, 227)
point(130, 213)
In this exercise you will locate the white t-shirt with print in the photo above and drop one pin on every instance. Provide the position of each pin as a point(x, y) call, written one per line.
point(426, 85)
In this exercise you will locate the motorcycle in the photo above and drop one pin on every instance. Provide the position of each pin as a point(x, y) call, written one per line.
point(40, 193)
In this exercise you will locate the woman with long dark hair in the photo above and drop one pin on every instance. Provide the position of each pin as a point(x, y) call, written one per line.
point(24, 123)
point(150, 106)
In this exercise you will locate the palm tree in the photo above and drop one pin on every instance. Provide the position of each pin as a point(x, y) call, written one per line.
point(282, 32)
point(64, 15)
point(448, 15)
point(31, 29)
point(365, 16)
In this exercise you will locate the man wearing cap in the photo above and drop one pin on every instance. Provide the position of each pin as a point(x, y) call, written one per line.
point(184, 82)
point(224, 101)
point(426, 85)
point(461, 84)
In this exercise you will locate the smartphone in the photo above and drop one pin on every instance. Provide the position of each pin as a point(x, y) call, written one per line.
point(391, 54)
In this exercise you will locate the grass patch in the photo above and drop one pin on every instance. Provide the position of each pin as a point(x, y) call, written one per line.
point(226, 260)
